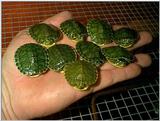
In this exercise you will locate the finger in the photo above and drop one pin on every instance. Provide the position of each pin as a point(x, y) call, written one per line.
point(110, 77)
point(143, 60)
point(125, 73)
point(116, 27)
point(58, 18)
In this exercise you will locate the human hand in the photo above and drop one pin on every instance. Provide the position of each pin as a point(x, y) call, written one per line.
point(26, 97)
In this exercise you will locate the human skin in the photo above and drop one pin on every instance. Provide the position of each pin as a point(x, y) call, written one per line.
point(26, 97)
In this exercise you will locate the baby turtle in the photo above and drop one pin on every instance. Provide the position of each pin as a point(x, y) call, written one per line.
point(118, 56)
point(81, 74)
point(74, 30)
point(125, 37)
point(59, 55)
point(90, 52)
point(31, 59)
point(100, 32)
point(45, 34)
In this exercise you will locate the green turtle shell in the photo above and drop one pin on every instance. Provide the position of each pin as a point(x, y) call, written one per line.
point(31, 59)
point(100, 32)
point(60, 55)
point(118, 56)
point(74, 30)
point(45, 34)
point(90, 52)
point(125, 37)
point(80, 74)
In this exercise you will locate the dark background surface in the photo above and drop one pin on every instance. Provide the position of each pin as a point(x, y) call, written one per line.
point(134, 99)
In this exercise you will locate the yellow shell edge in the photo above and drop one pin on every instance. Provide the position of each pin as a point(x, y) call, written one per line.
point(121, 66)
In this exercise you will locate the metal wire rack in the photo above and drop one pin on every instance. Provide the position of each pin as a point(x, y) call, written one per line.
point(138, 100)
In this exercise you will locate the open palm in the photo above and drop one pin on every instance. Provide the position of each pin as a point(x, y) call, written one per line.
point(26, 97)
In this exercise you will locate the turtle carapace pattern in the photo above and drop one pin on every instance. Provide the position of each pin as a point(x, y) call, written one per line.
point(90, 52)
point(99, 31)
point(59, 55)
point(44, 34)
point(81, 74)
point(74, 30)
point(118, 56)
point(125, 37)
point(31, 59)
